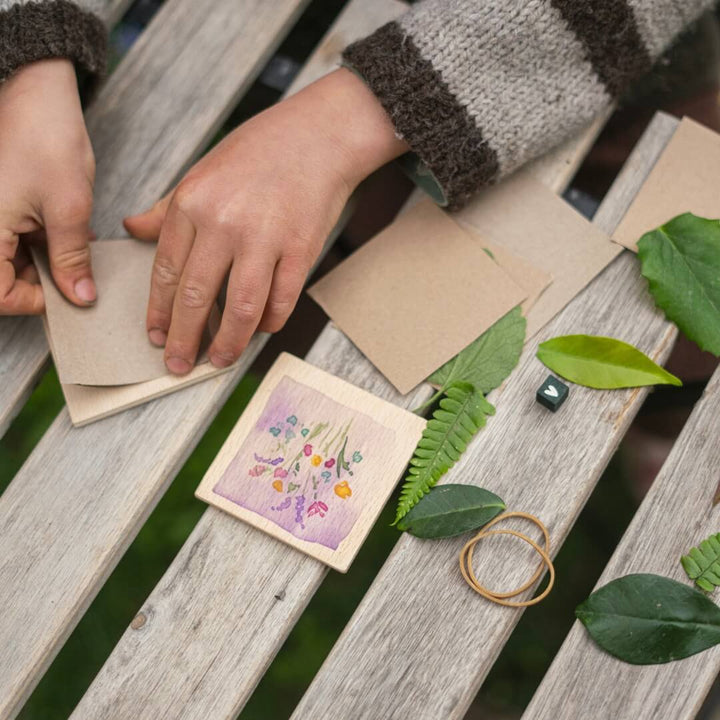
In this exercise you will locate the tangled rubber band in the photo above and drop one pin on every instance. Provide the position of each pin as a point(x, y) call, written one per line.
point(466, 558)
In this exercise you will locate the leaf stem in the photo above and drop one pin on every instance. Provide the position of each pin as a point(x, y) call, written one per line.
point(418, 410)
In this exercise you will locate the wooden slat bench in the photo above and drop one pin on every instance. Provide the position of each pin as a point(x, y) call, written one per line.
point(203, 639)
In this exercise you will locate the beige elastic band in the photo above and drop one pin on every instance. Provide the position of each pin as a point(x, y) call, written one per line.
point(466, 558)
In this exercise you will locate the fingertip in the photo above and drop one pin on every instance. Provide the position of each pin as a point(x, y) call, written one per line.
point(158, 336)
point(85, 290)
point(221, 360)
point(142, 226)
point(178, 365)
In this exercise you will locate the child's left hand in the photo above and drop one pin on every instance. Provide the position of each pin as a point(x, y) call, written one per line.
point(259, 207)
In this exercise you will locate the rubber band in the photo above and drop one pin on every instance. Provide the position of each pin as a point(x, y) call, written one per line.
point(466, 558)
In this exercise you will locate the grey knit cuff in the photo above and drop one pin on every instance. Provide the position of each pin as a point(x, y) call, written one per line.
point(53, 29)
point(450, 159)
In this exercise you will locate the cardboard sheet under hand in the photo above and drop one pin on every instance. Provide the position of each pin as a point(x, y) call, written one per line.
point(416, 294)
point(685, 178)
point(106, 344)
point(525, 217)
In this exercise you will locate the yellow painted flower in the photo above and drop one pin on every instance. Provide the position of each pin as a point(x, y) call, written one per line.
point(343, 490)
point(315, 460)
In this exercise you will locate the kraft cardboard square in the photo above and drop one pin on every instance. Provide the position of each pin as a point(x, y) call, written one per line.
point(685, 178)
point(105, 344)
point(531, 279)
point(416, 294)
point(312, 461)
point(525, 217)
point(87, 404)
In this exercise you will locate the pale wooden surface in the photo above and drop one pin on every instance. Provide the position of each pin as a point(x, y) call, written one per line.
point(374, 480)
point(421, 642)
point(675, 515)
point(59, 545)
point(186, 655)
point(156, 112)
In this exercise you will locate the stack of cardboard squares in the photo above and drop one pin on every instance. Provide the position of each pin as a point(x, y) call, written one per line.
point(102, 354)
point(431, 283)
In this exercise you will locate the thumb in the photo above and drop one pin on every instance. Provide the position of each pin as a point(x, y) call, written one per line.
point(68, 235)
point(146, 225)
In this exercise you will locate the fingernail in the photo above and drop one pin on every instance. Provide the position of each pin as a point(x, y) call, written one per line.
point(219, 361)
point(157, 337)
point(177, 365)
point(85, 290)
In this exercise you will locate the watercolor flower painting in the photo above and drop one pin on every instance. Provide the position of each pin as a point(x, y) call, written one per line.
point(307, 464)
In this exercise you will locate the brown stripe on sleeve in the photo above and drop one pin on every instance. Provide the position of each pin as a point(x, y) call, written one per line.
point(425, 113)
point(610, 33)
point(53, 29)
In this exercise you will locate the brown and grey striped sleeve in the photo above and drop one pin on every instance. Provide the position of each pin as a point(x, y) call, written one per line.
point(33, 30)
point(479, 87)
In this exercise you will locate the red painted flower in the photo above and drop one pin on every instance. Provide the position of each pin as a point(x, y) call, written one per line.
point(308, 450)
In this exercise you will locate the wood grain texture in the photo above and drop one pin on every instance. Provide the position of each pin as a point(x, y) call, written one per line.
point(186, 655)
point(23, 357)
point(156, 112)
point(545, 464)
point(675, 515)
point(59, 547)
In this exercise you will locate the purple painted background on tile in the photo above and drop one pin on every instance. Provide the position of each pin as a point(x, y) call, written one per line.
point(316, 494)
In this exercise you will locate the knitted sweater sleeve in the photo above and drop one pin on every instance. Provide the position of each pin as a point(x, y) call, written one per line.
point(33, 30)
point(479, 87)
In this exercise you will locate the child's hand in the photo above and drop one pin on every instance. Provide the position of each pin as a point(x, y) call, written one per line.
point(46, 177)
point(259, 206)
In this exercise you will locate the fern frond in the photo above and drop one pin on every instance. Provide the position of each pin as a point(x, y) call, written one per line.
point(702, 563)
point(462, 412)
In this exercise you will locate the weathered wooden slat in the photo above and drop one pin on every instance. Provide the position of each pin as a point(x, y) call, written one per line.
point(112, 10)
point(191, 652)
point(421, 642)
point(83, 494)
point(109, 10)
point(675, 515)
point(155, 113)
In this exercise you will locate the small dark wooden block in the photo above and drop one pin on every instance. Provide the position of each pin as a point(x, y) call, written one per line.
point(552, 393)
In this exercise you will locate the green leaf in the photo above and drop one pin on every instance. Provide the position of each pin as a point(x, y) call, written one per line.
point(702, 563)
point(649, 619)
point(446, 436)
point(601, 362)
point(451, 510)
point(487, 361)
point(681, 262)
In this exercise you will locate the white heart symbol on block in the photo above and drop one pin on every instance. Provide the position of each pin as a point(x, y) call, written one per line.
point(551, 390)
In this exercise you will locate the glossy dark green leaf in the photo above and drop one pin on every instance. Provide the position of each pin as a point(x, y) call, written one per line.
point(649, 619)
point(461, 414)
point(450, 510)
point(681, 262)
point(602, 362)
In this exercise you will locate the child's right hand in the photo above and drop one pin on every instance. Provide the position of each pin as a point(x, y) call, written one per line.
point(47, 169)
